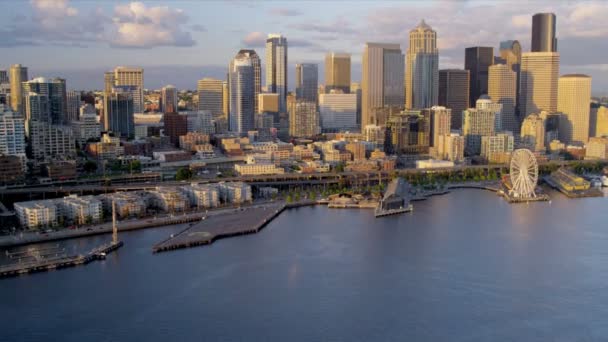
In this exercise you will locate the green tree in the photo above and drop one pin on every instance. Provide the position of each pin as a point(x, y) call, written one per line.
point(135, 166)
point(183, 174)
point(288, 198)
point(339, 167)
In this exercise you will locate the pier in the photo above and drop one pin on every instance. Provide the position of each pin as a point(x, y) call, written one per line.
point(237, 222)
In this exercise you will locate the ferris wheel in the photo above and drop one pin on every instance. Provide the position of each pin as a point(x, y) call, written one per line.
point(524, 173)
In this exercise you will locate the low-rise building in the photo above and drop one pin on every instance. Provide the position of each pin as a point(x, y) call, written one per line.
point(60, 170)
point(497, 148)
point(37, 214)
point(235, 192)
point(202, 195)
point(597, 148)
point(169, 199)
point(107, 149)
point(127, 204)
point(192, 139)
point(11, 169)
point(433, 164)
point(81, 210)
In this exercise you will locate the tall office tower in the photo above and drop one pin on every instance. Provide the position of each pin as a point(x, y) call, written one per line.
point(109, 82)
point(337, 72)
point(18, 75)
point(441, 121)
point(303, 119)
point(276, 68)
point(538, 82)
point(485, 103)
point(73, 106)
point(574, 97)
point(307, 82)
point(601, 125)
point(382, 79)
point(476, 123)
point(36, 108)
point(12, 132)
point(422, 75)
point(168, 99)
point(225, 99)
point(543, 33)
point(533, 132)
point(502, 89)
point(510, 53)
point(210, 96)
point(54, 90)
point(241, 79)
point(355, 88)
point(175, 125)
point(119, 110)
point(477, 60)
point(4, 76)
point(124, 76)
point(338, 112)
point(257, 72)
point(454, 93)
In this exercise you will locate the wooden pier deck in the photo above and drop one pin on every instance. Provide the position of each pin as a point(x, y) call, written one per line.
point(239, 222)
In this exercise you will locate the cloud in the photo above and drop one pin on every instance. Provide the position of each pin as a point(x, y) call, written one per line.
point(339, 25)
point(285, 12)
point(198, 28)
point(255, 39)
point(132, 25)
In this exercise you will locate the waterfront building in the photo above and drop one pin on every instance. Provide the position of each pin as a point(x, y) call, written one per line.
point(422, 75)
point(276, 68)
point(451, 147)
point(37, 214)
point(235, 192)
point(454, 93)
point(502, 89)
point(337, 72)
point(382, 80)
point(497, 148)
point(543, 33)
point(486, 103)
point(80, 210)
point(597, 148)
point(574, 97)
point(434, 164)
point(127, 203)
point(477, 60)
point(476, 123)
point(211, 96)
point(533, 132)
point(73, 106)
point(169, 199)
point(168, 99)
point(303, 119)
point(538, 82)
point(202, 195)
point(18, 75)
point(601, 125)
point(119, 108)
point(338, 112)
point(133, 77)
point(307, 83)
point(54, 90)
point(242, 83)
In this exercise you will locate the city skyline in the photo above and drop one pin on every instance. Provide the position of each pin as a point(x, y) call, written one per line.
point(189, 28)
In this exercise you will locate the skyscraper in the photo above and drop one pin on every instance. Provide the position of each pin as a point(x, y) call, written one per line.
point(533, 132)
point(307, 82)
point(502, 89)
point(73, 105)
point(12, 133)
point(337, 72)
point(241, 78)
point(4, 77)
point(538, 82)
point(477, 60)
point(109, 81)
point(510, 53)
point(226, 98)
point(441, 120)
point(119, 111)
point(601, 124)
point(257, 72)
point(574, 97)
point(18, 75)
point(454, 93)
point(168, 99)
point(54, 90)
point(476, 123)
point(485, 103)
point(124, 76)
point(303, 119)
point(210, 96)
point(382, 79)
point(276, 68)
point(422, 75)
point(543, 33)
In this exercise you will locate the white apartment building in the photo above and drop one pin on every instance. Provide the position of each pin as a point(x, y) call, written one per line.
point(37, 214)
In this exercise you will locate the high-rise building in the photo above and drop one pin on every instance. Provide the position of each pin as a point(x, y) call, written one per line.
point(276, 68)
point(422, 75)
point(476, 123)
point(441, 121)
point(497, 148)
point(109, 81)
point(50, 141)
point(338, 112)
point(241, 79)
point(12, 132)
point(451, 147)
point(168, 99)
point(73, 105)
point(355, 88)
point(54, 90)
point(175, 126)
point(502, 89)
point(18, 75)
point(36, 108)
point(307, 83)
point(210, 96)
point(538, 82)
point(257, 73)
point(454, 93)
point(303, 119)
point(225, 99)
point(543, 33)
point(485, 103)
point(382, 79)
point(510, 53)
point(4, 77)
point(477, 60)
point(533, 132)
point(124, 76)
point(574, 98)
point(337, 72)
point(119, 111)
point(601, 125)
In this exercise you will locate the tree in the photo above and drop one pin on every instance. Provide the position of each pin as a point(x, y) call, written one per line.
point(183, 174)
point(90, 166)
point(135, 166)
point(339, 167)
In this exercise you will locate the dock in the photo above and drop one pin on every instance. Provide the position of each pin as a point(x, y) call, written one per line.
point(238, 222)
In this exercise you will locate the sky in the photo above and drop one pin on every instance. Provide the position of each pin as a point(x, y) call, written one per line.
point(179, 42)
